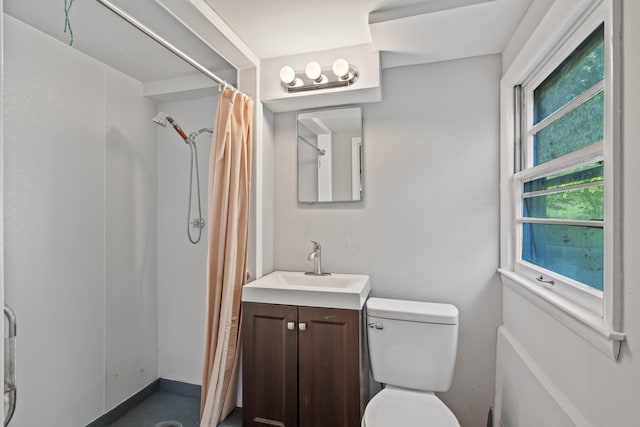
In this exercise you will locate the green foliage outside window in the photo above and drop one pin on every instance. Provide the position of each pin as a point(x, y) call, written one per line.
point(581, 70)
point(568, 202)
point(577, 129)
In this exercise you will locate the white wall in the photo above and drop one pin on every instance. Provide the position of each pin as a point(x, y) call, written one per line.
point(131, 340)
point(427, 228)
point(341, 160)
point(268, 170)
point(182, 266)
point(2, 320)
point(308, 168)
point(547, 375)
point(79, 167)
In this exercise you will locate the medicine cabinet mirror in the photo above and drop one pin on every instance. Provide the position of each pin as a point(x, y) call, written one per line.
point(330, 155)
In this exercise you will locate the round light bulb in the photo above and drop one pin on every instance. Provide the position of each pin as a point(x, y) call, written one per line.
point(341, 68)
point(313, 71)
point(287, 75)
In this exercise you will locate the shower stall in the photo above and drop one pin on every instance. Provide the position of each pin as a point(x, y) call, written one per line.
point(107, 290)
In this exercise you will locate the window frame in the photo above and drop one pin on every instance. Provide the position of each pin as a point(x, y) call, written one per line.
point(581, 294)
point(597, 318)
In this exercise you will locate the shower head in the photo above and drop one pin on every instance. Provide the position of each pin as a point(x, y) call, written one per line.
point(160, 119)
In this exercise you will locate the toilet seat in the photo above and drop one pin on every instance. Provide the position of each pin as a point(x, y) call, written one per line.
point(399, 407)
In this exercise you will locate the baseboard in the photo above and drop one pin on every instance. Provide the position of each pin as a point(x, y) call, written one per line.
point(170, 386)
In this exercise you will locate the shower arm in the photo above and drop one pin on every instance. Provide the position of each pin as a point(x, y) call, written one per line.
point(193, 135)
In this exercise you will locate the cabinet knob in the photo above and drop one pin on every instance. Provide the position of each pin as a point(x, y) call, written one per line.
point(291, 326)
point(302, 326)
point(376, 325)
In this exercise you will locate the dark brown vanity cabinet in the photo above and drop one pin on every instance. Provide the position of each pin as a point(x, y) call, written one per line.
point(302, 366)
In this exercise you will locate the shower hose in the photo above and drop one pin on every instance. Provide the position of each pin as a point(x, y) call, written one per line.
point(197, 223)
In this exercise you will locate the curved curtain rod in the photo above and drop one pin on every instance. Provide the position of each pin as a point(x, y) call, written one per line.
point(164, 43)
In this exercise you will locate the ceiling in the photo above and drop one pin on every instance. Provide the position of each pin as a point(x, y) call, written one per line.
point(100, 33)
point(344, 120)
point(406, 31)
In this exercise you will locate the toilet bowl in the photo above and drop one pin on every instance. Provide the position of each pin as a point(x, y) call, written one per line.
point(412, 349)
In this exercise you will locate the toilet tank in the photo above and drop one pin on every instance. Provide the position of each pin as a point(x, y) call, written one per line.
point(412, 344)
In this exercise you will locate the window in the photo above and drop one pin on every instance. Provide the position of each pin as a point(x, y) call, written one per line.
point(561, 142)
point(560, 187)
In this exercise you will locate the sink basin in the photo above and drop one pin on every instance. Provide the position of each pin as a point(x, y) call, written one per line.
point(348, 291)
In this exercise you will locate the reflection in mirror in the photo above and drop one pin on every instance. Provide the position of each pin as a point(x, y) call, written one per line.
point(330, 155)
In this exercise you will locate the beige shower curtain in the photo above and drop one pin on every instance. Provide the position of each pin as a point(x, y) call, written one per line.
point(228, 216)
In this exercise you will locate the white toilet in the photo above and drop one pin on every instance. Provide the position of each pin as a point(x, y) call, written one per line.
point(412, 349)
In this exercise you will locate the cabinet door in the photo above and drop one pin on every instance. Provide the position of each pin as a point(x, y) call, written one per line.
point(329, 368)
point(270, 365)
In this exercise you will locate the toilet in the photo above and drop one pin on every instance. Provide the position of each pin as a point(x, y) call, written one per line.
point(412, 350)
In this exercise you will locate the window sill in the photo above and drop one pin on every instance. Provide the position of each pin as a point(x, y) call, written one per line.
point(591, 327)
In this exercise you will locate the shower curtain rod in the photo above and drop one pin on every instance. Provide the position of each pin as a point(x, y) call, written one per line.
point(160, 40)
point(309, 143)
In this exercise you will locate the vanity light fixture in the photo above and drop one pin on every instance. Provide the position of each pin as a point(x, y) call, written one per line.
point(314, 77)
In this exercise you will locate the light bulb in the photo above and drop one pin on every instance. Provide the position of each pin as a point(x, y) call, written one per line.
point(287, 75)
point(341, 68)
point(313, 71)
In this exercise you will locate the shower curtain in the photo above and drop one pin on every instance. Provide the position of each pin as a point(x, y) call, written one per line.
point(228, 219)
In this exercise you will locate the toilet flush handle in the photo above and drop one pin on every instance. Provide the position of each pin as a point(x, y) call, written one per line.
point(376, 325)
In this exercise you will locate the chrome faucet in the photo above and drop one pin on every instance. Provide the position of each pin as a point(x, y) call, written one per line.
point(316, 256)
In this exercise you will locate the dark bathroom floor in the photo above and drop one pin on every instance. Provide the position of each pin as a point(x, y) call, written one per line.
point(165, 406)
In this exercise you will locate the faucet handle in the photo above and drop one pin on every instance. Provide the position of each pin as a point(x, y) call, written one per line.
point(316, 246)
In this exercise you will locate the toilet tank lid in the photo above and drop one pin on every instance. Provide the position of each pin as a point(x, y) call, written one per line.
point(416, 311)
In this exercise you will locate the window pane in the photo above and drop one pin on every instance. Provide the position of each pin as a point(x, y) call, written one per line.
point(592, 172)
point(577, 129)
point(580, 204)
point(581, 70)
point(573, 251)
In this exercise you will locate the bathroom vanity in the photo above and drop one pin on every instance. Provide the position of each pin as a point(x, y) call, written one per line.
point(304, 359)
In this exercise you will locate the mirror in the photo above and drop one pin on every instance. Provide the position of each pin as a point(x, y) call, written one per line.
point(330, 155)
